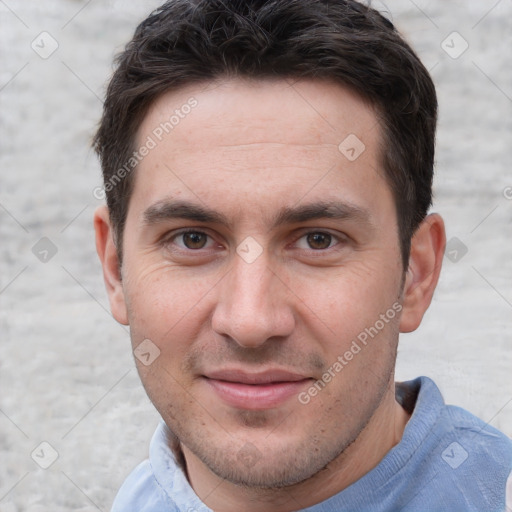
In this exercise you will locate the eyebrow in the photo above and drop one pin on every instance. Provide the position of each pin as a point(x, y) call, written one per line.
point(322, 210)
point(167, 209)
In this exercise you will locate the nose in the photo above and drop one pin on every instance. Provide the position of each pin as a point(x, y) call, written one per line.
point(254, 304)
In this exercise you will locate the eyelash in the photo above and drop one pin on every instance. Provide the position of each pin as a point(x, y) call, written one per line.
point(184, 232)
point(337, 239)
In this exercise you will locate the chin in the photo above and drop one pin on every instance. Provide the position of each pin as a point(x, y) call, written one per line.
point(260, 464)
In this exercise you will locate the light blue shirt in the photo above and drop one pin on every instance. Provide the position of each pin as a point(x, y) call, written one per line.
point(448, 460)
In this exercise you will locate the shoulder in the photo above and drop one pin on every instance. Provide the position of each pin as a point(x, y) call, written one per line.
point(442, 423)
point(159, 483)
point(484, 444)
point(141, 492)
point(465, 463)
point(476, 460)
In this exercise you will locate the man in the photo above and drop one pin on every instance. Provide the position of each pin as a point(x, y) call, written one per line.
point(268, 170)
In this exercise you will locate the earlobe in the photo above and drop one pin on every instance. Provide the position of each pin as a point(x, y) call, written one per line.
point(107, 253)
point(427, 250)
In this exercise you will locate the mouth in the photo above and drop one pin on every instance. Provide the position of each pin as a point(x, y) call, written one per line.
point(255, 391)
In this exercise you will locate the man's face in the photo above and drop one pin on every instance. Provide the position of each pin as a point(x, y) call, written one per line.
point(255, 254)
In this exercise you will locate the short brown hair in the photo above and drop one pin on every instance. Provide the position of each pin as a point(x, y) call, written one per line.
point(189, 41)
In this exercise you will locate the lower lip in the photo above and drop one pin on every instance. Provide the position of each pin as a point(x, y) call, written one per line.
point(256, 396)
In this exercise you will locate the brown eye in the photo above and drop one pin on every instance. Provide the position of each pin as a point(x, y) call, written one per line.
point(194, 240)
point(319, 240)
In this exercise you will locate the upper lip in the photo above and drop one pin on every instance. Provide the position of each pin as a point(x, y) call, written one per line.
point(265, 377)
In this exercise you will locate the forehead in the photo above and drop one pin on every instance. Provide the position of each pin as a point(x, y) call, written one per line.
point(236, 144)
point(259, 109)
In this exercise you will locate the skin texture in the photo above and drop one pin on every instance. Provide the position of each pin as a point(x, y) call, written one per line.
point(247, 151)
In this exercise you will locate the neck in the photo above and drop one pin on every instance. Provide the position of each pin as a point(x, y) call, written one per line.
point(383, 431)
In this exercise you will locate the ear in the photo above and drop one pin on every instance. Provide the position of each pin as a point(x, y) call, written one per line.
point(426, 258)
point(107, 252)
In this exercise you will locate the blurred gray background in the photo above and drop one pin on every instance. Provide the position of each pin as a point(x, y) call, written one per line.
point(70, 397)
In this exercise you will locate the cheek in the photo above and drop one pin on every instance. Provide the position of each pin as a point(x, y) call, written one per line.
point(348, 299)
point(170, 312)
point(166, 306)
